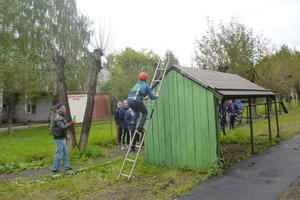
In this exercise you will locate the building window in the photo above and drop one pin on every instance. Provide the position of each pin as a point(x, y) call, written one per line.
point(28, 107)
point(31, 108)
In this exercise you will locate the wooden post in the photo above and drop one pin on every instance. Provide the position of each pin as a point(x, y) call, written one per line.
point(251, 126)
point(223, 118)
point(111, 126)
point(276, 114)
point(269, 121)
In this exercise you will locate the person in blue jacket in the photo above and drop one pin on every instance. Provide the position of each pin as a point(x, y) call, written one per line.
point(231, 109)
point(137, 94)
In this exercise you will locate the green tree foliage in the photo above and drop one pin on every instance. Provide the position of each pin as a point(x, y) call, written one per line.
point(33, 34)
point(230, 48)
point(22, 68)
point(169, 55)
point(280, 72)
point(126, 66)
point(274, 71)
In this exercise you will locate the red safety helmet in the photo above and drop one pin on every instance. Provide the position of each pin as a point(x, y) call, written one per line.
point(143, 76)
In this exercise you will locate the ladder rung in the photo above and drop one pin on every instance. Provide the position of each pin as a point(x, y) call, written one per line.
point(156, 80)
point(130, 160)
point(125, 175)
point(137, 146)
point(161, 68)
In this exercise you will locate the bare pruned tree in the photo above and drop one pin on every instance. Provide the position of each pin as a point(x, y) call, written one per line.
point(102, 47)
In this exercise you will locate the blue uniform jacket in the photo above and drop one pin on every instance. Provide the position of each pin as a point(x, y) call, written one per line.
point(140, 90)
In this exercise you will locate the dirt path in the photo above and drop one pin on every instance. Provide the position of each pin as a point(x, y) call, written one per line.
point(2, 130)
point(293, 192)
point(114, 153)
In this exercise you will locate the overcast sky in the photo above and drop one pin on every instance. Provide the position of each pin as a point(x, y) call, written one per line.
point(160, 25)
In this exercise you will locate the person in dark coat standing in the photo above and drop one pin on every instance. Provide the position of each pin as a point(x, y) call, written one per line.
point(131, 120)
point(222, 114)
point(118, 122)
point(231, 109)
point(60, 128)
point(124, 125)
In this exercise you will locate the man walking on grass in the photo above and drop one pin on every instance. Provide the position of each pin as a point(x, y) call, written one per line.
point(60, 128)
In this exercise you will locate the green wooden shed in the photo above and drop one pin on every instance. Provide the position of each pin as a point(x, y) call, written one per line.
point(183, 131)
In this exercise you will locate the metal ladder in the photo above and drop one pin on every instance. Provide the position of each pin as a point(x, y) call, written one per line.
point(133, 161)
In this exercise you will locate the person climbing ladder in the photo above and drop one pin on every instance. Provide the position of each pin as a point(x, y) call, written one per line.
point(137, 94)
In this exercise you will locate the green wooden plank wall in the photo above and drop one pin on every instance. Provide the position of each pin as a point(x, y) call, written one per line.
point(183, 132)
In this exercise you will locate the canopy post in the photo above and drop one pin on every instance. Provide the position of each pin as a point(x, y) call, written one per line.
point(276, 114)
point(223, 120)
point(251, 126)
point(269, 121)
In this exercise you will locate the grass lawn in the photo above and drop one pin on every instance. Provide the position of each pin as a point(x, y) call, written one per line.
point(236, 144)
point(34, 148)
point(98, 181)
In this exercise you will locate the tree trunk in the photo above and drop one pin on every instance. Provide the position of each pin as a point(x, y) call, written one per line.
point(1, 105)
point(288, 100)
point(87, 120)
point(51, 118)
point(59, 62)
point(298, 95)
point(270, 104)
point(10, 116)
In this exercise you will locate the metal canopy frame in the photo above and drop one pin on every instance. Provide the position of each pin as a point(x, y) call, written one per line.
point(268, 98)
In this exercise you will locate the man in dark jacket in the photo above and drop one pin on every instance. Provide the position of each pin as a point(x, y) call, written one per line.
point(59, 135)
point(131, 120)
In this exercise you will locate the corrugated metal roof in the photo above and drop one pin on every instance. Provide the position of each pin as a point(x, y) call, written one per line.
point(226, 84)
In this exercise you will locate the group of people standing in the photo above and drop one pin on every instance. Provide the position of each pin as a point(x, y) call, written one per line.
point(125, 122)
point(229, 110)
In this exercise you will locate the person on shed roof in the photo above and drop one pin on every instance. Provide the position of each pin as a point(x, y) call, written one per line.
point(137, 94)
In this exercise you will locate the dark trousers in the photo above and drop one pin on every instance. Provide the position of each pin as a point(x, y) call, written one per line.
point(139, 107)
point(135, 139)
point(231, 120)
point(126, 135)
point(120, 133)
